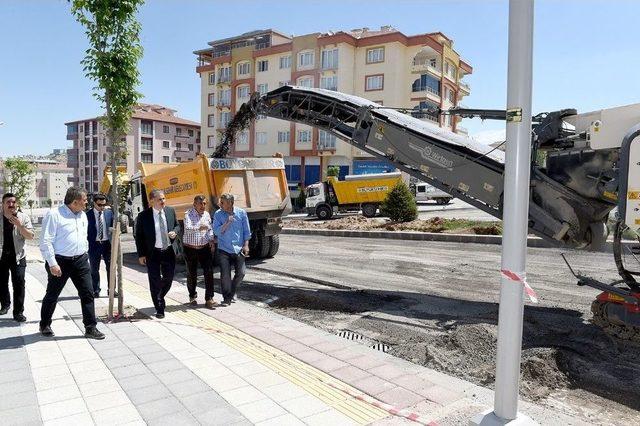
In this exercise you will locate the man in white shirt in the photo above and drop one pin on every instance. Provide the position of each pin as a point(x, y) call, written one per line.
point(156, 229)
point(197, 242)
point(64, 246)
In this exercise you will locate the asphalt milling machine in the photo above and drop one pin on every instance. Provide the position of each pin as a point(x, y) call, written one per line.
point(583, 167)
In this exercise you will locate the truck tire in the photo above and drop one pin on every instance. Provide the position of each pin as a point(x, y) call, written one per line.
point(369, 210)
point(274, 245)
point(324, 212)
point(261, 245)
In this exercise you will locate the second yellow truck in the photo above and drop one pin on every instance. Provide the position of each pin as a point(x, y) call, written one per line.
point(356, 192)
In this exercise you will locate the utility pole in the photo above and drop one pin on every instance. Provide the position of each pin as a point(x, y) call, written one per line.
point(515, 219)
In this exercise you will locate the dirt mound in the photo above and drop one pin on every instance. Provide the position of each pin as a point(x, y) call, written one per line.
point(436, 225)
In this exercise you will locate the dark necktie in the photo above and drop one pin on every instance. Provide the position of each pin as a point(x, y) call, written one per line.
point(100, 227)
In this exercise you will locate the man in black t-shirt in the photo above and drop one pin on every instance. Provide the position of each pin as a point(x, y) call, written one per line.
point(15, 228)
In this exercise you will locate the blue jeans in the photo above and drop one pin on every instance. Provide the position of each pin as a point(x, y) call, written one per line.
point(229, 286)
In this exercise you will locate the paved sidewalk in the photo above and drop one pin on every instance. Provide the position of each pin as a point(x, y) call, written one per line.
point(235, 365)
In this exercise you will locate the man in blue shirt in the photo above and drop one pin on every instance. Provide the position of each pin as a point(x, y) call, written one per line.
point(64, 246)
point(231, 226)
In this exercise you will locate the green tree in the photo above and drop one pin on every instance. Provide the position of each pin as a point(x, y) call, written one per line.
point(111, 61)
point(400, 204)
point(18, 177)
point(333, 171)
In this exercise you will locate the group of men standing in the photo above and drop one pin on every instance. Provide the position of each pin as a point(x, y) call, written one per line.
point(224, 238)
point(73, 244)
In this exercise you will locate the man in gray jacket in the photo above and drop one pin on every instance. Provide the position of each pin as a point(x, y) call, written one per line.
point(15, 228)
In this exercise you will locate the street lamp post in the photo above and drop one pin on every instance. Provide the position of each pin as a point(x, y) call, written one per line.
point(515, 219)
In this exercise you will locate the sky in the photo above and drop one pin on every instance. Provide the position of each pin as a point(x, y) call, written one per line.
point(586, 54)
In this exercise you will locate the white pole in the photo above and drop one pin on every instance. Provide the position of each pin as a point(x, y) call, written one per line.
point(515, 208)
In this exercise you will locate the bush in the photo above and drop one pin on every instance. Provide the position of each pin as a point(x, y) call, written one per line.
point(400, 204)
point(333, 171)
point(301, 200)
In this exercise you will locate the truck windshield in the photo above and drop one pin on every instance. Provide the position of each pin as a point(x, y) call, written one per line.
point(312, 191)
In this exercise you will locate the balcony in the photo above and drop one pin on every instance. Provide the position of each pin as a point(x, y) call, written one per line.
point(220, 53)
point(464, 88)
point(263, 45)
point(222, 79)
point(420, 66)
point(223, 103)
point(72, 158)
point(427, 90)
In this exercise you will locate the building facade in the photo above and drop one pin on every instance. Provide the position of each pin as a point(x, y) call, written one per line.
point(384, 66)
point(49, 185)
point(156, 135)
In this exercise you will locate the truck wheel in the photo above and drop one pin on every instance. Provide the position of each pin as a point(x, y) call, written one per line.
point(262, 245)
point(324, 212)
point(369, 210)
point(274, 245)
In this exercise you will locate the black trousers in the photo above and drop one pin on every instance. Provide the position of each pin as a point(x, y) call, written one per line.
point(228, 261)
point(203, 256)
point(161, 266)
point(8, 266)
point(97, 252)
point(76, 268)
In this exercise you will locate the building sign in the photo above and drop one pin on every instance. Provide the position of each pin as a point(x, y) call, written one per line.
point(372, 189)
point(246, 163)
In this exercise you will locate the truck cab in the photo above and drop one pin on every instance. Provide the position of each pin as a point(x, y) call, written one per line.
point(317, 201)
point(425, 192)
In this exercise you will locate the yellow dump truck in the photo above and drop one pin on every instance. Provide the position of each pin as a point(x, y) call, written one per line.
point(356, 192)
point(259, 186)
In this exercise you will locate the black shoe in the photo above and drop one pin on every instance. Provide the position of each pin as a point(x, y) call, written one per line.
point(96, 294)
point(159, 315)
point(4, 310)
point(93, 333)
point(46, 331)
point(225, 303)
point(20, 318)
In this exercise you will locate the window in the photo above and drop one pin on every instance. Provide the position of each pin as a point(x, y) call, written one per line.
point(450, 70)
point(147, 144)
point(211, 120)
point(374, 82)
point(104, 157)
point(86, 129)
point(211, 141)
point(190, 132)
point(178, 146)
point(305, 60)
point(285, 62)
point(304, 136)
point(225, 117)
point(166, 144)
point(244, 68)
point(375, 55)
point(224, 97)
point(212, 79)
point(104, 141)
point(224, 75)
point(263, 88)
point(190, 147)
point(94, 144)
point(211, 99)
point(165, 129)
point(329, 83)
point(326, 140)
point(450, 95)
point(427, 110)
point(426, 83)
point(72, 129)
point(283, 137)
point(261, 138)
point(243, 138)
point(433, 62)
point(284, 83)
point(165, 158)
point(147, 127)
point(147, 158)
point(243, 92)
point(305, 81)
point(329, 59)
point(263, 65)
point(448, 121)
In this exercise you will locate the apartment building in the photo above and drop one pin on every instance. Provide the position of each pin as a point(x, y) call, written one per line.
point(385, 66)
point(156, 135)
point(49, 185)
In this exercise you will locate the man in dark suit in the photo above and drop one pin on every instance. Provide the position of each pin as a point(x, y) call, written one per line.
point(156, 229)
point(100, 220)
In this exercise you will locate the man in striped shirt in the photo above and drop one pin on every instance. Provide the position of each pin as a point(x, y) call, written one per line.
point(198, 242)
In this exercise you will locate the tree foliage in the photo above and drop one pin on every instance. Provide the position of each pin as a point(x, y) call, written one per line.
point(400, 204)
point(333, 171)
point(112, 59)
point(18, 177)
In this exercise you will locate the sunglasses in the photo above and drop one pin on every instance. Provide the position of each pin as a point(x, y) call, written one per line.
point(101, 205)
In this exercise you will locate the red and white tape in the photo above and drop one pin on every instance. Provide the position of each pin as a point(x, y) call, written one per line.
point(521, 277)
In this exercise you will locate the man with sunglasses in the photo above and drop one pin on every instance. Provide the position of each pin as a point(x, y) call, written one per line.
point(100, 219)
